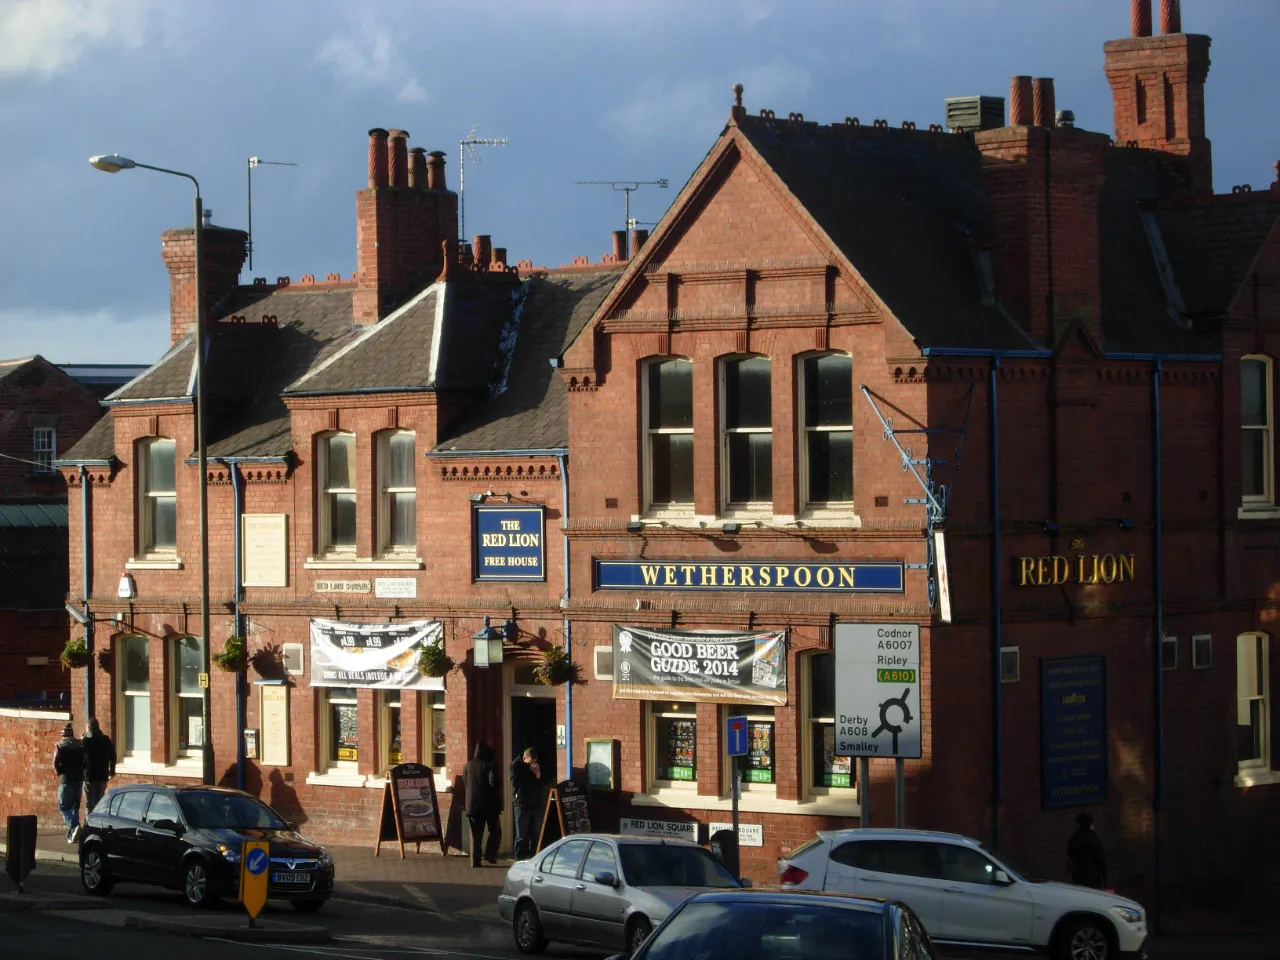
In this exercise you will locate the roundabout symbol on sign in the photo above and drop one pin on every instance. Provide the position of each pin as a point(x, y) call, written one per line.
point(256, 862)
point(894, 728)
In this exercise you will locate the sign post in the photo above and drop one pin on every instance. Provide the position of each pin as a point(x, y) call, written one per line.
point(735, 735)
point(878, 711)
point(255, 857)
point(20, 857)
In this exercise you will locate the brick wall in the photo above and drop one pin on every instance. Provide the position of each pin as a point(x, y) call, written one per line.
point(28, 784)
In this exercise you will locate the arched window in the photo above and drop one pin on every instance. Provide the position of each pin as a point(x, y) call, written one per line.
point(158, 498)
point(336, 487)
point(826, 427)
point(668, 409)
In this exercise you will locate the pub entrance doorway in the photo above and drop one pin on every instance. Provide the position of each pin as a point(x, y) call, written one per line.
point(531, 722)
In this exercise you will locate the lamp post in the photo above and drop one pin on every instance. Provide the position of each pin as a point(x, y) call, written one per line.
point(114, 163)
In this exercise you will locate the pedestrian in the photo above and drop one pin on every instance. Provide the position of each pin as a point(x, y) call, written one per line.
point(483, 803)
point(99, 764)
point(1088, 858)
point(525, 793)
point(68, 764)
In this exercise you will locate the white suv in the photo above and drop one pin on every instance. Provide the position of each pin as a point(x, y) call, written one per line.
point(966, 895)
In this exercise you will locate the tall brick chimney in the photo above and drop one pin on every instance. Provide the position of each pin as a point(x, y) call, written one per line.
point(1157, 90)
point(223, 252)
point(403, 218)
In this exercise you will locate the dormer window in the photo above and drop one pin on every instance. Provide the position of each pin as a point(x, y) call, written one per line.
point(336, 510)
point(158, 510)
point(669, 433)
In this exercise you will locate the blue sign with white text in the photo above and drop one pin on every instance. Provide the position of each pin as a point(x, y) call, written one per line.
point(509, 543)
point(735, 735)
point(1073, 734)
point(834, 577)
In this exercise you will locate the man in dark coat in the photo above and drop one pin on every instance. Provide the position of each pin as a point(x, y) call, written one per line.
point(1088, 859)
point(483, 803)
point(525, 793)
point(68, 764)
point(99, 764)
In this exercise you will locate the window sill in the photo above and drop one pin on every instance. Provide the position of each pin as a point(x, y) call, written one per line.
point(1259, 511)
point(1257, 778)
point(813, 807)
point(131, 766)
point(830, 518)
point(337, 778)
point(354, 563)
point(153, 563)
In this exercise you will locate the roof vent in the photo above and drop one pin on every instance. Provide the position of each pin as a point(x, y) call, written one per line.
point(975, 113)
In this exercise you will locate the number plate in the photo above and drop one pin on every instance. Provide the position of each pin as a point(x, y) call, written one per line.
point(291, 879)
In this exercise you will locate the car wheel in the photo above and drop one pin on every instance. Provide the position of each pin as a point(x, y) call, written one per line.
point(308, 906)
point(637, 933)
point(1084, 939)
point(93, 872)
point(528, 929)
point(196, 884)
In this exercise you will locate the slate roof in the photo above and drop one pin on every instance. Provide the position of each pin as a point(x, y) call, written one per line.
point(532, 412)
point(167, 379)
point(1212, 247)
point(97, 444)
point(904, 208)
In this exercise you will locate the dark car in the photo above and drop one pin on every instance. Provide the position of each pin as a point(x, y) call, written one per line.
point(780, 925)
point(189, 839)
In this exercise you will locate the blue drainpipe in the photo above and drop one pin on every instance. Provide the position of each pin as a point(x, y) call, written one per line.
point(87, 587)
point(997, 612)
point(568, 626)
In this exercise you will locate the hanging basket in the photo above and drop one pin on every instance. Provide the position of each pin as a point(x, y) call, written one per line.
point(75, 655)
point(434, 662)
point(555, 669)
point(234, 657)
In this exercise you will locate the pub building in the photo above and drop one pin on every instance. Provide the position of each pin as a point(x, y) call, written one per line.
point(847, 394)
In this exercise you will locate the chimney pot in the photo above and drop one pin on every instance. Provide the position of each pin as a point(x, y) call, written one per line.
point(418, 168)
point(1170, 16)
point(1042, 101)
point(1140, 18)
point(500, 258)
point(619, 245)
point(483, 251)
point(435, 170)
point(377, 157)
point(398, 158)
point(1020, 112)
point(638, 238)
point(1066, 118)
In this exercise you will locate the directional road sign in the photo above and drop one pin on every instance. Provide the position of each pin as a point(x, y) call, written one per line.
point(878, 711)
point(255, 857)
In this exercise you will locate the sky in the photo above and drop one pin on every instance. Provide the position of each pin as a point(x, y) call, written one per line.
point(581, 89)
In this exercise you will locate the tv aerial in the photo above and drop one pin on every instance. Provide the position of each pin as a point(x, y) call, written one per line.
point(251, 163)
point(626, 188)
point(467, 145)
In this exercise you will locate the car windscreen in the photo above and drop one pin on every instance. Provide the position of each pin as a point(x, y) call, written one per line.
point(752, 930)
point(213, 810)
point(658, 865)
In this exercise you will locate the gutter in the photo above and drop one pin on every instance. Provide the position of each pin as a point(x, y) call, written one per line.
point(355, 391)
point(230, 461)
point(109, 462)
point(149, 402)
point(560, 452)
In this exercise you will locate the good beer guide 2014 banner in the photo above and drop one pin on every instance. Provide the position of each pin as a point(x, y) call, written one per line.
point(700, 666)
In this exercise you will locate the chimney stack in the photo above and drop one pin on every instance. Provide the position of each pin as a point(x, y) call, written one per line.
point(418, 168)
point(377, 157)
point(1043, 101)
point(1170, 16)
point(620, 246)
point(1140, 18)
point(638, 238)
point(435, 171)
point(500, 258)
point(398, 161)
point(1020, 109)
point(223, 253)
point(482, 250)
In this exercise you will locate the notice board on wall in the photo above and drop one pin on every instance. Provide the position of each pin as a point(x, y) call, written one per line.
point(1073, 732)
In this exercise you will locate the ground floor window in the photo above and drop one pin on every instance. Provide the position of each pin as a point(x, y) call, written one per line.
point(1252, 690)
point(133, 667)
point(188, 695)
point(759, 764)
point(675, 742)
point(434, 722)
point(826, 771)
point(391, 749)
point(340, 728)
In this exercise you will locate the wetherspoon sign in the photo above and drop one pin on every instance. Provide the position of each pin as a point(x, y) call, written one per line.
point(750, 577)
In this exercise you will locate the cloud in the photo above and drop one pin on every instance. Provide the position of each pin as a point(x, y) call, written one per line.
point(42, 38)
point(97, 336)
point(367, 58)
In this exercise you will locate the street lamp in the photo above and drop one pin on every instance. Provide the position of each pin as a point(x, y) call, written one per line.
point(114, 163)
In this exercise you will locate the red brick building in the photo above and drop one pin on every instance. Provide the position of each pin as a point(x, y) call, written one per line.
point(1052, 348)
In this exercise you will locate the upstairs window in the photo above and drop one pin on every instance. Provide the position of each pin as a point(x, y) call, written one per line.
point(669, 429)
point(1252, 695)
point(826, 384)
point(397, 507)
point(159, 508)
point(747, 450)
point(44, 447)
point(1256, 473)
point(337, 507)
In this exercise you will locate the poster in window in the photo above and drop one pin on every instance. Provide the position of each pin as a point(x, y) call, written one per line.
point(274, 700)
point(682, 743)
point(759, 764)
point(346, 740)
point(836, 771)
point(195, 732)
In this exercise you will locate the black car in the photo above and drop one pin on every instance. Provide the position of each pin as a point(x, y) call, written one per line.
point(785, 925)
point(189, 839)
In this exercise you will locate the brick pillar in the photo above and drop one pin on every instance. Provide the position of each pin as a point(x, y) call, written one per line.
point(711, 772)
point(413, 705)
point(367, 724)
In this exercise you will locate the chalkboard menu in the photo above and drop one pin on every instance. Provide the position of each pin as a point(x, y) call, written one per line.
point(410, 813)
point(567, 812)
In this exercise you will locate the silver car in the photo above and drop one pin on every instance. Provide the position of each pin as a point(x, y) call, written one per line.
point(604, 890)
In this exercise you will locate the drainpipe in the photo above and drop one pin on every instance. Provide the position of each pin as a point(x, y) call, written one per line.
point(1157, 572)
point(237, 491)
point(85, 528)
point(568, 626)
point(997, 610)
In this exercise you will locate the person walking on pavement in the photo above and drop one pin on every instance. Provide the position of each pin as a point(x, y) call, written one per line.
point(1088, 858)
point(68, 764)
point(99, 764)
point(483, 803)
point(525, 793)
